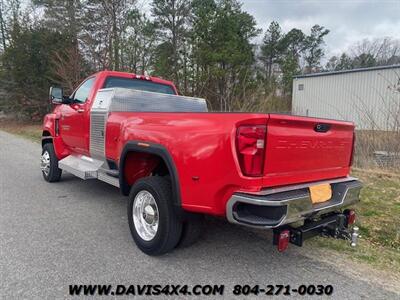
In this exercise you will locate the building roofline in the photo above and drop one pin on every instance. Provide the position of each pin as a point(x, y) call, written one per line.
point(347, 71)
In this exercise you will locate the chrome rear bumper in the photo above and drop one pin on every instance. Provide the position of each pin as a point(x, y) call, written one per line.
point(275, 207)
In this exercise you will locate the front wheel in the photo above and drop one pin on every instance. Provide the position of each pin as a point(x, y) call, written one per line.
point(154, 225)
point(49, 164)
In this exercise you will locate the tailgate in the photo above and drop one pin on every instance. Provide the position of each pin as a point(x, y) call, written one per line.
point(302, 149)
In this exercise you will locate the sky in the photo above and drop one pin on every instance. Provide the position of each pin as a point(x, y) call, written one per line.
point(348, 21)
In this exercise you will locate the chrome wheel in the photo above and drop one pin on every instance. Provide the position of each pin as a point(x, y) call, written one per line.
point(45, 163)
point(145, 215)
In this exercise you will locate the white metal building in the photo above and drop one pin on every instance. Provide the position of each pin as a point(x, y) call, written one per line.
point(369, 97)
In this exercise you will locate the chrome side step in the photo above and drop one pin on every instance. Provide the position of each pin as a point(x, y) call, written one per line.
point(81, 166)
point(86, 167)
point(108, 179)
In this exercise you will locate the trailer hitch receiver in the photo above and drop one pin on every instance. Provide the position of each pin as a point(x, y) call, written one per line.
point(334, 225)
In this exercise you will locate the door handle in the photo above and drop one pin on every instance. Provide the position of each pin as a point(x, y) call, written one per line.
point(80, 110)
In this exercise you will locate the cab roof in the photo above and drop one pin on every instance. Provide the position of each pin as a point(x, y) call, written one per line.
point(137, 76)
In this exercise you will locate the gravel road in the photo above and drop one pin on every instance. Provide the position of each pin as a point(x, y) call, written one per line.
point(76, 232)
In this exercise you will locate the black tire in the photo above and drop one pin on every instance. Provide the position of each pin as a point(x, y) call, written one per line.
point(54, 173)
point(192, 229)
point(169, 225)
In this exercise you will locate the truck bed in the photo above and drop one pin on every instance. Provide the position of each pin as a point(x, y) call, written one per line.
point(203, 146)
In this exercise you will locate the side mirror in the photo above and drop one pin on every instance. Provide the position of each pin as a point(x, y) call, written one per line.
point(56, 96)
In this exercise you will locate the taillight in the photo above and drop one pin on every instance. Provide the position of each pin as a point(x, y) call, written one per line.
point(351, 216)
point(283, 240)
point(250, 145)
point(353, 149)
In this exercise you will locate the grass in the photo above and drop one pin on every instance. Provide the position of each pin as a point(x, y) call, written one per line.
point(30, 131)
point(379, 221)
point(378, 213)
point(370, 141)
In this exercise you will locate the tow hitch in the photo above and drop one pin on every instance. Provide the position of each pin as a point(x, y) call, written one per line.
point(335, 225)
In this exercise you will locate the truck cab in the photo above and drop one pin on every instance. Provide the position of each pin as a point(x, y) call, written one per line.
point(74, 111)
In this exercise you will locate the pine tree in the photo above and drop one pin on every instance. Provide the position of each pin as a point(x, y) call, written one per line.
point(313, 47)
point(172, 18)
point(271, 47)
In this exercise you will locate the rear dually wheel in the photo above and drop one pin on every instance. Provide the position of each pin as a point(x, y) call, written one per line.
point(154, 225)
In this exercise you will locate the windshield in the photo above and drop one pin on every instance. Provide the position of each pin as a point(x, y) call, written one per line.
point(138, 84)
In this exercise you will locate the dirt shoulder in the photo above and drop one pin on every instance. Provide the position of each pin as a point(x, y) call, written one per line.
point(30, 131)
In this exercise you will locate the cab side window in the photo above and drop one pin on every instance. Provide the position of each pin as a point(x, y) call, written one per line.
point(82, 93)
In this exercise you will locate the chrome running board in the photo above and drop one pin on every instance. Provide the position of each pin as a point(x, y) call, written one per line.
point(86, 167)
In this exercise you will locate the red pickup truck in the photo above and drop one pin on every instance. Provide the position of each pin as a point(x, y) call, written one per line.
point(177, 162)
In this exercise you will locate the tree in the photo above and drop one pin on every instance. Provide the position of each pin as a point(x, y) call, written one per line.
point(204, 15)
point(204, 46)
point(271, 48)
point(313, 51)
point(292, 45)
point(138, 42)
point(105, 24)
point(345, 63)
point(369, 53)
point(68, 67)
point(3, 25)
point(290, 68)
point(65, 16)
point(116, 12)
point(67, 63)
point(172, 18)
point(223, 51)
point(10, 17)
point(364, 60)
point(332, 63)
point(29, 57)
point(379, 50)
point(163, 60)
